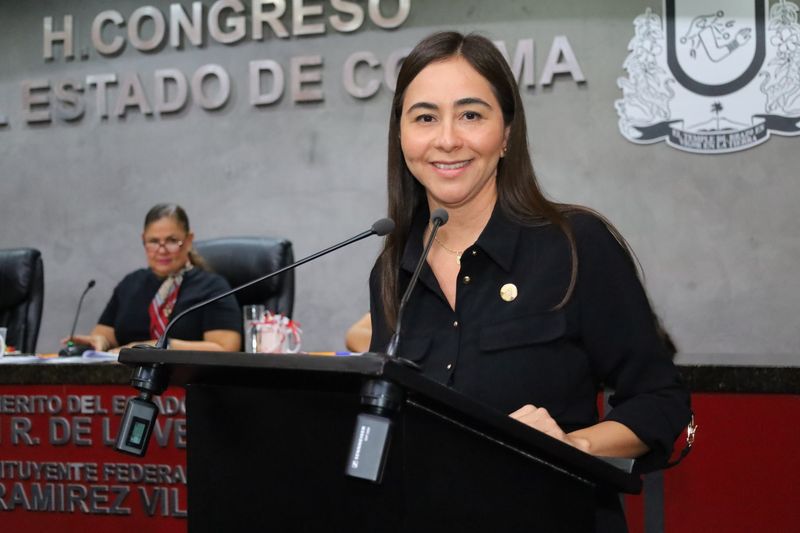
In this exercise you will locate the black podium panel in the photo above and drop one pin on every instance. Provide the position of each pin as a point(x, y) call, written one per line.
point(273, 459)
point(269, 437)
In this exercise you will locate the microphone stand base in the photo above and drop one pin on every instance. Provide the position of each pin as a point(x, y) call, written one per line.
point(73, 350)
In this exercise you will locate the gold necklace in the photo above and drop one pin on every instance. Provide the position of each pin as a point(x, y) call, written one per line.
point(449, 250)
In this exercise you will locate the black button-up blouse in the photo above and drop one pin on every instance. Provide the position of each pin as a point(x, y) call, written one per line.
point(507, 352)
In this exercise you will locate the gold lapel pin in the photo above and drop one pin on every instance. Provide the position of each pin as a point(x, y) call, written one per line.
point(508, 292)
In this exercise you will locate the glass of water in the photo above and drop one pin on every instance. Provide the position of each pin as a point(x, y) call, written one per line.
point(252, 315)
point(3, 333)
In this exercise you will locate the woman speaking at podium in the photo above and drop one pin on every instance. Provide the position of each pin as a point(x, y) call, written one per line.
point(175, 279)
point(528, 306)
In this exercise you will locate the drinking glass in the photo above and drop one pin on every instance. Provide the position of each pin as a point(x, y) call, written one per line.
point(3, 333)
point(251, 315)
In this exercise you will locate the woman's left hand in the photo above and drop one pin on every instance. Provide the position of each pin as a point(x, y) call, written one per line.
point(538, 418)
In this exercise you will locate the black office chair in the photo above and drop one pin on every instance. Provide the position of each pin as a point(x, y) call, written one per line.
point(241, 259)
point(21, 296)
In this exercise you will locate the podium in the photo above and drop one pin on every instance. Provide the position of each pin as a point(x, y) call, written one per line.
point(269, 437)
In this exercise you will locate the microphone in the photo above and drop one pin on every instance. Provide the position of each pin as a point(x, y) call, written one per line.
point(438, 219)
point(380, 228)
point(72, 349)
point(382, 398)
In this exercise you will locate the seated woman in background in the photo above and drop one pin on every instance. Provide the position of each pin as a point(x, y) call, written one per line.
point(175, 279)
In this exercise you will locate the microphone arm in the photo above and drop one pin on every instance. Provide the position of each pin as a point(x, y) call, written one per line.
point(438, 219)
point(381, 398)
point(381, 227)
point(78, 311)
point(71, 349)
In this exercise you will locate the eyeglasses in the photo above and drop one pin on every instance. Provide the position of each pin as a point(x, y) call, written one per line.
point(170, 244)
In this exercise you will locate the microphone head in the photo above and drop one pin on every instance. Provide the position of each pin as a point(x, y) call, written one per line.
point(439, 216)
point(383, 227)
point(91, 284)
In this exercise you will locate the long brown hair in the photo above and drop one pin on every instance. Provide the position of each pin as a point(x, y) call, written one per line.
point(518, 192)
point(178, 214)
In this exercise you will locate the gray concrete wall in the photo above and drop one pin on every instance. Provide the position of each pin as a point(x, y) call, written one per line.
point(715, 234)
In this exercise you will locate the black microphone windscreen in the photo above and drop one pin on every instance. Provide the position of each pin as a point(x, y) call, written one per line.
point(383, 227)
point(441, 215)
point(91, 284)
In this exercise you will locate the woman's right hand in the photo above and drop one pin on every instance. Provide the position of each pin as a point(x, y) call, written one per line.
point(97, 342)
point(538, 418)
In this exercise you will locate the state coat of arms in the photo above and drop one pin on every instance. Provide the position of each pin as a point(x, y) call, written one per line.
point(712, 76)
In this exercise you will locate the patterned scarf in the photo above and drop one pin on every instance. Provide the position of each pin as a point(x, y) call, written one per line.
point(164, 302)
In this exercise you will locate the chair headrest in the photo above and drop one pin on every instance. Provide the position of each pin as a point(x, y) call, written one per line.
point(242, 259)
point(17, 269)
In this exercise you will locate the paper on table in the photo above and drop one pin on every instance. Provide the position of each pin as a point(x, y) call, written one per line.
point(100, 356)
point(89, 356)
point(19, 359)
point(61, 360)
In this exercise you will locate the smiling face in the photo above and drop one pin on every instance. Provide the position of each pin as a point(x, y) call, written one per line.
point(167, 246)
point(452, 134)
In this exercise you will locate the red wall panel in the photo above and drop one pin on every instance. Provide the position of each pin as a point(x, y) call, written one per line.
point(742, 475)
